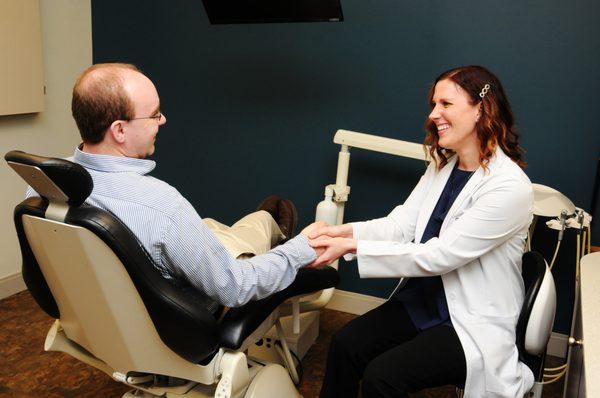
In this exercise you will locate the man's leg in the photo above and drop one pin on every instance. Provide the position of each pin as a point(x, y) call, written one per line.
point(358, 342)
point(254, 234)
point(433, 358)
point(283, 212)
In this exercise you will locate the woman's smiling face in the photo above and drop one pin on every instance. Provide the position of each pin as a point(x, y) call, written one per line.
point(454, 116)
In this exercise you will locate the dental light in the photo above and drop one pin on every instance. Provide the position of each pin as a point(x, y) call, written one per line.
point(548, 202)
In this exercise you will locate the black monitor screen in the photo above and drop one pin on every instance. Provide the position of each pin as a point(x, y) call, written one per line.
point(263, 11)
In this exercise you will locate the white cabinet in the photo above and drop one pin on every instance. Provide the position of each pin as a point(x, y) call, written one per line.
point(584, 360)
point(21, 68)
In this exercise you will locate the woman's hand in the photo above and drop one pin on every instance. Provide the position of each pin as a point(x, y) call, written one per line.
point(332, 231)
point(330, 249)
point(311, 228)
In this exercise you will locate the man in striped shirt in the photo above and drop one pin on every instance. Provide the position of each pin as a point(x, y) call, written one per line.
point(117, 111)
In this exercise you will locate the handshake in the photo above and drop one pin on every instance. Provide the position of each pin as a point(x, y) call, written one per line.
point(330, 242)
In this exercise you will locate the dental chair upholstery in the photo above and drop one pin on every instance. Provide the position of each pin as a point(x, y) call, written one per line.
point(86, 269)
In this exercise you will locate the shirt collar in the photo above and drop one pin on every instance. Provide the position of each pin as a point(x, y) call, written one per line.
point(108, 163)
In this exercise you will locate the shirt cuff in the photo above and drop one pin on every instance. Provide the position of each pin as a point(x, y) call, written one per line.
point(305, 253)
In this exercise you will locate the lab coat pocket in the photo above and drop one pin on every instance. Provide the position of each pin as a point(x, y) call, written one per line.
point(496, 340)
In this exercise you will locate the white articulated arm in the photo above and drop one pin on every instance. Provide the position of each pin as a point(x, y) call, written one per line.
point(351, 139)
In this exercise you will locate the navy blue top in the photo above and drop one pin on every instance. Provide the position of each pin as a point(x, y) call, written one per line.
point(424, 298)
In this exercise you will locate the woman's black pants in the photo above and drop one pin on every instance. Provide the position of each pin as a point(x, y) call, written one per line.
point(391, 357)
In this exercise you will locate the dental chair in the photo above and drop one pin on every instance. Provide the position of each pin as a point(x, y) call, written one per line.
point(116, 312)
point(536, 319)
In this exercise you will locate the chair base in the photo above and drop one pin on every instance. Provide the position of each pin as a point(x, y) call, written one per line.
point(270, 381)
point(264, 349)
point(236, 381)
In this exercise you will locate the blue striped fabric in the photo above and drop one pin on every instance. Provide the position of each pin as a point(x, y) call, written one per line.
point(179, 242)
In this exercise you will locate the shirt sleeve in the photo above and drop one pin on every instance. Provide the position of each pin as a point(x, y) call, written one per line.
point(191, 250)
point(496, 214)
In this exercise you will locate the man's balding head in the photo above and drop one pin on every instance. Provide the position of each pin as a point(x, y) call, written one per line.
point(100, 97)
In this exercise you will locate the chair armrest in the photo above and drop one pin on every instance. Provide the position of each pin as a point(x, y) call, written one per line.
point(238, 323)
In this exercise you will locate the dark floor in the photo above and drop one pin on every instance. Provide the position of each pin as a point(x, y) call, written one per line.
point(27, 371)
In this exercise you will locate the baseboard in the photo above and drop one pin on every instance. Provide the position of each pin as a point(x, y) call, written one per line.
point(11, 284)
point(358, 304)
point(353, 303)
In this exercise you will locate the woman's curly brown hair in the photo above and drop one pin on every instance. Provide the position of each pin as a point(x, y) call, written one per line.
point(495, 126)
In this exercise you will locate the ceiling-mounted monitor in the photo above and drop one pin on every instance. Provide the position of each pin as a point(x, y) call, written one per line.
point(269, 11)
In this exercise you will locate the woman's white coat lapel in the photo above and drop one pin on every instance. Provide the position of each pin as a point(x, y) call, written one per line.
point(440, 181)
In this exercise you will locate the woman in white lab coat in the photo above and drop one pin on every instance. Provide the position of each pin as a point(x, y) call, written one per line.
point(459, 237)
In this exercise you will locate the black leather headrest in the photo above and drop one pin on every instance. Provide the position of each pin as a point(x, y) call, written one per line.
point(71, 178)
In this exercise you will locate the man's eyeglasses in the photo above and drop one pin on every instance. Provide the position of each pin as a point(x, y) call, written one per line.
point(156, 117)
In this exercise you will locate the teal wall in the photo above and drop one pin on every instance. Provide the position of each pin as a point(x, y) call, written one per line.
point(252, 109)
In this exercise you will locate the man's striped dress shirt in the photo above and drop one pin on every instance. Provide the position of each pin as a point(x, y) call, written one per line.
point(177, 239)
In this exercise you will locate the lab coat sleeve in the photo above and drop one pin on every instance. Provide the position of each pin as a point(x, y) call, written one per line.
point(399, 225)
point(498, 211)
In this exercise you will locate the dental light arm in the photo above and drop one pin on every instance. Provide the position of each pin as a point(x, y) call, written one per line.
point(351, 139)
point(380, 144)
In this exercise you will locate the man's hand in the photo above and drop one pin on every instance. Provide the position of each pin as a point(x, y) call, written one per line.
point(333, 231)
point(308, 230)
point(311, 228)
point(331, 249)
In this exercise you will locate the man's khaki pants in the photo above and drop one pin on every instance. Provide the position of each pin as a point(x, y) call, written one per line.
point(254, 234)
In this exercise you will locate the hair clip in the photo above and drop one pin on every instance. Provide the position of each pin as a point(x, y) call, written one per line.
point(484, 91)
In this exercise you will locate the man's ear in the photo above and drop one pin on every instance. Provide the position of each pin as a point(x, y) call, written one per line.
point(117, 130)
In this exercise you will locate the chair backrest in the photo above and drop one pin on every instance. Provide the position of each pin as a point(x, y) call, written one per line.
point(537, 314)
point(83, 266)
